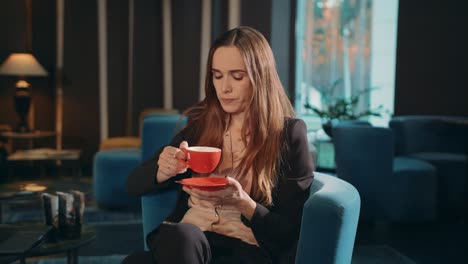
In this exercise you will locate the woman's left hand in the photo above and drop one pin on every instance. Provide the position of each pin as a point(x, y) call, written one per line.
point(233, 195)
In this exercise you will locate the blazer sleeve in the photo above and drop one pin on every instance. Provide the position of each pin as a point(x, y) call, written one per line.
point(277, 228)
point(143, 180)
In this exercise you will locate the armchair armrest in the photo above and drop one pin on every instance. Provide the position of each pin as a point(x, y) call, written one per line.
point(155, 207)
point(329, 222)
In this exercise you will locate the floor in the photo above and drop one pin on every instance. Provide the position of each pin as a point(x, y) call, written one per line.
point(428, 243)
point(437, 242)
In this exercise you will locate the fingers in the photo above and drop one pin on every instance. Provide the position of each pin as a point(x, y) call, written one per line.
point(183, 145)
point(180, 154)
point(234, 183)
point(169, 163)
point(232, 195)
point(216, 198)
point(172, 169)
point(212, 196)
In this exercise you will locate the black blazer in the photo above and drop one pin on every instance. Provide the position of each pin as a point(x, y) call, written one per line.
point(275, 227)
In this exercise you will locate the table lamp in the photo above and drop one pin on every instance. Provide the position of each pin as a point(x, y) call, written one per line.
point(22, 65)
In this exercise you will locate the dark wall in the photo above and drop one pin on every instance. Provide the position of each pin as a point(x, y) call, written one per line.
point(117, 34)
point(257, 14)
point(80, 73)
point(186, 21)
point(148, 65)
point(431, 70)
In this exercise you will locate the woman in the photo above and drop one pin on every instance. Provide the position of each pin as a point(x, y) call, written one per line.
point(265, 157)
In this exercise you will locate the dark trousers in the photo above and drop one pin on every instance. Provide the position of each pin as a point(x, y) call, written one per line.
point(186, 243)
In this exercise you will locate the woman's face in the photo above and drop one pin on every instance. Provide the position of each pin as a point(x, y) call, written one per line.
point(230, 79)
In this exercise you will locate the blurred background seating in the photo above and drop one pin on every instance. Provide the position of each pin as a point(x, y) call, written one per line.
point(112, 166)
point(443, 142)
point(392, 189)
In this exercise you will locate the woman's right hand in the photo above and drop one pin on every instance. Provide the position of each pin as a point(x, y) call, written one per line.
point(171, 163)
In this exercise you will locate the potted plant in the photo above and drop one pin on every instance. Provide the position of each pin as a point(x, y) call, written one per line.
point(340, 108)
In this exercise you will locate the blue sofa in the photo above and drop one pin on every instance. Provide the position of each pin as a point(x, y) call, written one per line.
point(443, 142)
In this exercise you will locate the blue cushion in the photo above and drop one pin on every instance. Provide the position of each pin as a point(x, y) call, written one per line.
point(452, 173)
point(158, 130)
point(440, 157)
point(411, 164)
point(414, 189)
point(430, 133)
point(110, 171)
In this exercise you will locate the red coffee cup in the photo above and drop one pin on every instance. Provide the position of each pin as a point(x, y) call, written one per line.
point(202, 159)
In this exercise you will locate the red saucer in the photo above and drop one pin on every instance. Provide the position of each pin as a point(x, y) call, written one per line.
point(205, 183)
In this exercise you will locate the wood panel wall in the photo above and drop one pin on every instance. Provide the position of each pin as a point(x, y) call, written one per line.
point(81, 109)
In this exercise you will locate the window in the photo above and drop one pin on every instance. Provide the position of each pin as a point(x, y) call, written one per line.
point(350, 43)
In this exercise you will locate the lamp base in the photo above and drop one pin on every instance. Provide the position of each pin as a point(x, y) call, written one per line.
point(22, 104)
point(23, 128)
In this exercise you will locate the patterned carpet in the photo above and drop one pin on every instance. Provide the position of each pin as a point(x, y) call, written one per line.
point(362, 255)
point(378, 254)
point(92, 215)
point(112, 259)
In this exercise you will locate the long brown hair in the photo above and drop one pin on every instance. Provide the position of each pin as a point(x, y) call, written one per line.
point(265, 116)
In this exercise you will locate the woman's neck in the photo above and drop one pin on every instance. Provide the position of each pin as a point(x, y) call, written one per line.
point(237, 121)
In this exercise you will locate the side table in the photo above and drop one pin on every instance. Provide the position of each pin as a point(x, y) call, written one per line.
point(16, 241)
point(69, 246)
point(324, 150)
point(11, 199)
point(44, 155)
point(326, 155)
point(30, 136)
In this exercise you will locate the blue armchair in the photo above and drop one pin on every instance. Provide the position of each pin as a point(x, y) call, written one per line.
point(112, 166)
point(329, 221)
point(443, 142)
point(330, 214)
point(391, 189)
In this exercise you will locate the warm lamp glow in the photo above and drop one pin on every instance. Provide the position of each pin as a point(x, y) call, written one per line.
point(22, 64)
point(22, 84)
point(34, 187)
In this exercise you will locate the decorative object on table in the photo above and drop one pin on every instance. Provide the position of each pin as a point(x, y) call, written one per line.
point(50, 206)
point(70, 214)
point(22, 65)
point(78, 207)
point(340, 108)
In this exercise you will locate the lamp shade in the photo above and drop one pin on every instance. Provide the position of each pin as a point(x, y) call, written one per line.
point(22, 64)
